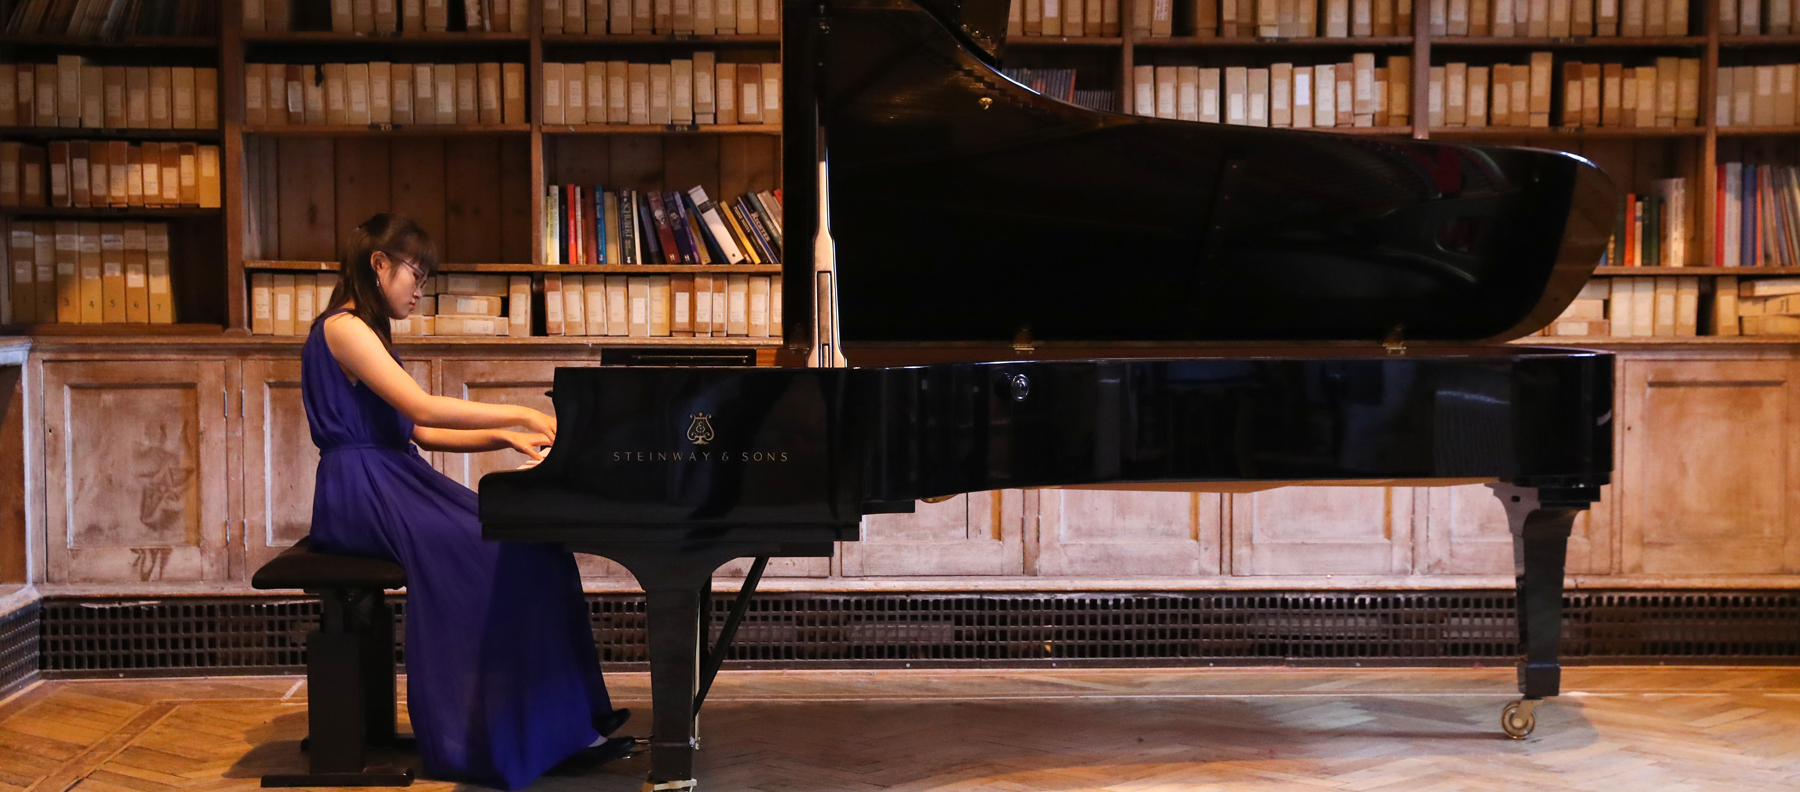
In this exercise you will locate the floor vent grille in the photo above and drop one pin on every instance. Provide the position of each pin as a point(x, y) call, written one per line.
point(190, 636)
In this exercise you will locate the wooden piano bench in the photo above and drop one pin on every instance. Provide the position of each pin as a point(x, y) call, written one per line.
point(349, 665)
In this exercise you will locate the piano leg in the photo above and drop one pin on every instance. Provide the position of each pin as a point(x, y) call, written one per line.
point(674, 654)
point(676, 580)
point(1541, 519)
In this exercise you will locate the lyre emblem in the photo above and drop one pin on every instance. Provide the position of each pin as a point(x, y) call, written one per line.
point(700, 432)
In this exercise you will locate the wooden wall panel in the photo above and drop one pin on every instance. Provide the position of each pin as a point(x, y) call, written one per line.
point(1322, 530)
point(1710, 455)
point(363, 183)
point(693, 160)
point(308, 198)
point(579, 159)
point(1098, 533)
point(417, 188)
point(472, 214)
point(1466, 533)
point(135, 484)
point(13, 566)
point(517, 196)
point(637, 162)
point(980, 533)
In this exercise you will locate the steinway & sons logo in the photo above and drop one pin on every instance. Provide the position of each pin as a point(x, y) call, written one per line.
point(700, 432)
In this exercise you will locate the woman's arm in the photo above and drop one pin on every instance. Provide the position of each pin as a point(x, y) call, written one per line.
point(359, 351)
point(479, 440)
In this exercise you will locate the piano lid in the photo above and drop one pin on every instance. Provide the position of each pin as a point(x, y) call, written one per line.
point(966, 207)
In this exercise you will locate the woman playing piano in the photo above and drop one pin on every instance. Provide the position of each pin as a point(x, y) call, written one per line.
point(503, 681)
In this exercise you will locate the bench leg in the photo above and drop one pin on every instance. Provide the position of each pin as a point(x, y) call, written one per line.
point(344, 696)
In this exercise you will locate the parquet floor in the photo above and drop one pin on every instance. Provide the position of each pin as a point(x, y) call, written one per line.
point(1623, 729)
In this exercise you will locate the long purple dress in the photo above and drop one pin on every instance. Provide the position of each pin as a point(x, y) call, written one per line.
point(502, 677)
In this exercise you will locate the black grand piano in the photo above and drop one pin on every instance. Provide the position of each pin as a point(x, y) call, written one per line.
point(1038, 295)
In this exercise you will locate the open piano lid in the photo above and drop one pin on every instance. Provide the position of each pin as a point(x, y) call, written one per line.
point(965, 207)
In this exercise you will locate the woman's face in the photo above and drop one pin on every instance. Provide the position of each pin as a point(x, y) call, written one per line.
point(400, 281)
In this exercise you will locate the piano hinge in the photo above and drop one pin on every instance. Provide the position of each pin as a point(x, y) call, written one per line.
point(1395, 343)
point(1022, 341)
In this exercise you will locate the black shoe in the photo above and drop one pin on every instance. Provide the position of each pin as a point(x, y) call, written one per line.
point(611, 721)
point(588, 759)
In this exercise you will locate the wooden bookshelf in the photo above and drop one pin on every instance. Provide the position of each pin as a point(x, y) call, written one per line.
point(1570, 42)
point(396, 130)
point(660, 129)
point(106, 133)
point(477, 186)
point(108, 212)
point(1748, 272)
point(126, 43)
point(573, 269)
point(1174, 42)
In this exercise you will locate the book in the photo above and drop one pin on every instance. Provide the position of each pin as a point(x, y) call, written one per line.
point(594, 312)
point(518, 306)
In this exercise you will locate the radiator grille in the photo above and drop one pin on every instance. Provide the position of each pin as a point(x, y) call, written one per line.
point(18, 649)
point(186, 636)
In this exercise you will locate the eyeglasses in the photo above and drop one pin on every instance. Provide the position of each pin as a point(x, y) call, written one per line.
point(417, 271)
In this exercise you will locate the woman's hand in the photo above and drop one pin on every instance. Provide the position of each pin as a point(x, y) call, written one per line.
point(527, 443)
point(539, 423)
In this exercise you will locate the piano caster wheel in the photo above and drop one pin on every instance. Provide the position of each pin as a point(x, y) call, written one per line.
point(1517, 719)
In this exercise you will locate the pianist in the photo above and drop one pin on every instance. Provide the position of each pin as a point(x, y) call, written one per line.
point(503, 681)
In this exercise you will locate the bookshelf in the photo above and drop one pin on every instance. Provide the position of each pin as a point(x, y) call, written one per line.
point(1634, 156)
point(290, 191)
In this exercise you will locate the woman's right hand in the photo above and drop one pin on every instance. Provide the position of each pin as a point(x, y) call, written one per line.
point(539, 422)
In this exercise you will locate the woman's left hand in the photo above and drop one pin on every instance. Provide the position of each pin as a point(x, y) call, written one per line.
point(531, 444)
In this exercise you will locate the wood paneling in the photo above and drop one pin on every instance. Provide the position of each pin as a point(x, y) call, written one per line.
point(1099, 533)
point(1710, 455)
point(308, 198)
point(135, 485)
point(980, 533)
point(13, 567)
point(363, 186)
point(1322, 531)
point(1466, 533)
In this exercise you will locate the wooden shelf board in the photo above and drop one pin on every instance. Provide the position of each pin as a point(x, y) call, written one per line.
point(1065, 41)
point(57, 133)
point(372, 130)
point(572, 269)
point(593, 341)
point(115, 330)
point(1308, 41)
point(1450, 133)
point(668, 39)
point(1547, 42)
point(1752, 131)
point(104, 212)
point(382, 39)
point(661, 129)
point(1649, 271)
point(89, 42)
point(1786, 40)
point(1650, 341)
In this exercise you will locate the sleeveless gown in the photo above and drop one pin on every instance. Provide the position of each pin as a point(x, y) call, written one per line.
point(502, 677)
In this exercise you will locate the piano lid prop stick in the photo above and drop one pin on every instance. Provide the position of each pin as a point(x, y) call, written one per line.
point(825, 351)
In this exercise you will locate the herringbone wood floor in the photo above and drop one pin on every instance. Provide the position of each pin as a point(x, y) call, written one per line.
point(1380, 730)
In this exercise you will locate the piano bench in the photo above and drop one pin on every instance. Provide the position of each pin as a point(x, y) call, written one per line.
point(349, 665)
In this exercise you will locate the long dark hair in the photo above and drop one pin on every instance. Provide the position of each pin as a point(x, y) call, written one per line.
point(401, 238)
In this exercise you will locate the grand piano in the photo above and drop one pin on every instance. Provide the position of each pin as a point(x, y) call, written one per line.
point(1038, 295)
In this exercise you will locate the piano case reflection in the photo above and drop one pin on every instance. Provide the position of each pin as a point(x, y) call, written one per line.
point(1038, 295)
